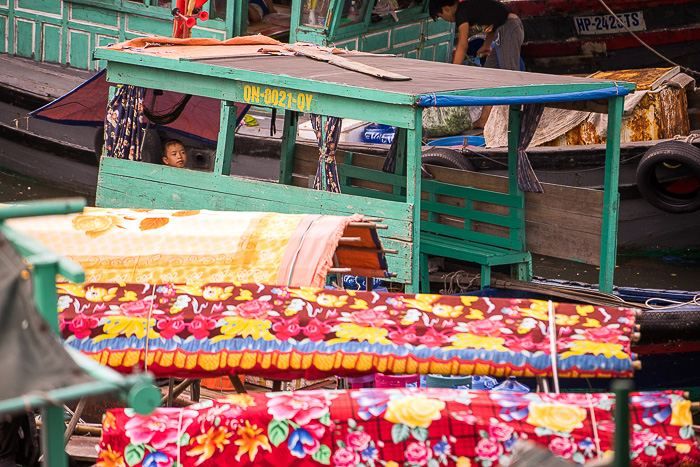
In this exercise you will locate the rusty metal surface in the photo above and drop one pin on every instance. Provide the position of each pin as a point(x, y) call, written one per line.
point(660, 114)
point(644, 78)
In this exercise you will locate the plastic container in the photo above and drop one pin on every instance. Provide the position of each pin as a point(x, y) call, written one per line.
point(454, 382)
point(483, 382)
point(378, 133)
point(477, 141)
point(360, 283)
point(511, 385)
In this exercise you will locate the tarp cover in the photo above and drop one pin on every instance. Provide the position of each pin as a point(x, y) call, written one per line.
point(159, 246)
point(33, 359)
point(86, 105)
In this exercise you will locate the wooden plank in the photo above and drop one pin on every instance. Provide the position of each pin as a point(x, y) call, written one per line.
point(83, 448)
point(343, 62)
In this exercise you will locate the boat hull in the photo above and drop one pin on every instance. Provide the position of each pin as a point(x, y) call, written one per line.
point(580, 36)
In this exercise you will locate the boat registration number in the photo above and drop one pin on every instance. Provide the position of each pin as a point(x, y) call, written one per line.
point(607, 24)
point(277, 97)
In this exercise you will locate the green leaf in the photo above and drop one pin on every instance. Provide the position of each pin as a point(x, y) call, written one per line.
point(133, 454)
point(323, 455)
point(650, 451)
point(351, 423)
point(579, 458)
point(399, 433)
point(433, 463)
point(277, 431)
point(184, 440)
point(420, 433)
point(483, 433)
point(686, 432)
point(326, 419)
point(542, 431)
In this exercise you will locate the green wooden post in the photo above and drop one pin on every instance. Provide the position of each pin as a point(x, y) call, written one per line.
point(289, 136)
point(622, 389)
point(224, 146)
point(53, 446)
point(237, 18)
point(414, 143)
point(611, 197)
point(515, 119)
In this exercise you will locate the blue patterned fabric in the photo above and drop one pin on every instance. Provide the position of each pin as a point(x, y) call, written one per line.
point(327, 172)
point(125, 123)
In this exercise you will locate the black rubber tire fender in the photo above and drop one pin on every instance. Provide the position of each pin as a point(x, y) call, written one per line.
point(444, 157)
point(672, 153)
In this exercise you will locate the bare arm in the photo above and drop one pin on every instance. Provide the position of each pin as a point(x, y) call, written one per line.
point(462, 44)
point(486, 48)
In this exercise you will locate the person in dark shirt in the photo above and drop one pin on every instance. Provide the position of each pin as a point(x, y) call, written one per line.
point(506, 33)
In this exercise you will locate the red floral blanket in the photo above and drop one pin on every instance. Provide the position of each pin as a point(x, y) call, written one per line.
point(395, 427)
point(206, 330)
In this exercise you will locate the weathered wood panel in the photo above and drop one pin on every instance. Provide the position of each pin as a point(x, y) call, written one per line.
point(563, 222)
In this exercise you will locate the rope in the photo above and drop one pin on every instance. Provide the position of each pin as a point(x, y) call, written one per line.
point(685, 69)
point(674, 303)
point(453, 277)
point(169, 115)
point(148, 330)
point(595, 426)
point(553, 345)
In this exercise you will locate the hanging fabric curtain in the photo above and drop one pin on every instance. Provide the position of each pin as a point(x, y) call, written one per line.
point(125, 123)
point(327, 172)
point(527, 180)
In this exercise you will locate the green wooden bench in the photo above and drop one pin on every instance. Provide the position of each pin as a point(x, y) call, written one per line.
point(456, 223)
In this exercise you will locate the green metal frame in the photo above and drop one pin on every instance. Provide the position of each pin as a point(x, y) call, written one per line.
point(137, 389)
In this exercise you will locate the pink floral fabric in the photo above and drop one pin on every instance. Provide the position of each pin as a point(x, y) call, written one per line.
point(396, 427)
point(217, 329)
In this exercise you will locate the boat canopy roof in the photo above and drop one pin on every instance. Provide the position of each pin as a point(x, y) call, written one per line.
point(385, 78)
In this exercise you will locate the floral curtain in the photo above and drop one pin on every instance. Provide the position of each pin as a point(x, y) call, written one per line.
point(397, 428)
point(125, 123)
point(205, 330)
point(327, 172)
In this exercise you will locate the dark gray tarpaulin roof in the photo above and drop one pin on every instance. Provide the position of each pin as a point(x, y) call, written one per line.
point(33, 359)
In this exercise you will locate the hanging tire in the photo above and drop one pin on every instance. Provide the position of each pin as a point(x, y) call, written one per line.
point(668, 176)
point(444, 157)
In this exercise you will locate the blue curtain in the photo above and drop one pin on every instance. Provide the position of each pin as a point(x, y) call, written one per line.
point(125, 123)
point(327, 172)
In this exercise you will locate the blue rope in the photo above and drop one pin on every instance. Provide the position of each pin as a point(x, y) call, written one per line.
point(432, 100)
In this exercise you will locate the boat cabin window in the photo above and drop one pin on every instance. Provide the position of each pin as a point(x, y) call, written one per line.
point(314, 13)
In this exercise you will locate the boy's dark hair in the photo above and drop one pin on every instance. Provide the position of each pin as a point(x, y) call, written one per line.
point(435, 7)
point(170, 142)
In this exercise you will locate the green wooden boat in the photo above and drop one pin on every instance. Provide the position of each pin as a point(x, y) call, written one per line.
point(66, 31)
point(424, 217)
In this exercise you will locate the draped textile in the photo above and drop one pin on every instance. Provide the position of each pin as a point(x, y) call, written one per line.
point(527, 180)
point(397, 427)
point(327, 171)
point(164, 246)
point(217, 329)
point(125, 123)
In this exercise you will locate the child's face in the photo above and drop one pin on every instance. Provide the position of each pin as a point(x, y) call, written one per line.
point(175, 155)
